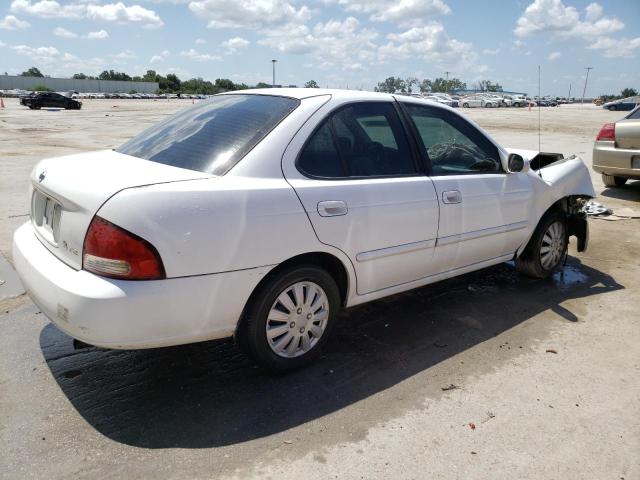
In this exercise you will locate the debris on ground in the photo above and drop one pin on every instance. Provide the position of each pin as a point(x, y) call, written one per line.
point(472, 425)
point(451, 386)
point(489, 416)
point(551, 350)
point(595, 208)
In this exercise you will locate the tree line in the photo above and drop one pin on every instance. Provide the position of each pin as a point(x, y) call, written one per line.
point(167, 84)
point(412, 84)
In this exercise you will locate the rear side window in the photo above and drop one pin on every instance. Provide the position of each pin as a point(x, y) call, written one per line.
point(213, 135)
point(360, 140)
point(635, 115)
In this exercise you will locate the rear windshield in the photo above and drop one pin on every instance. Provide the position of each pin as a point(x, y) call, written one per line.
point(213, 135)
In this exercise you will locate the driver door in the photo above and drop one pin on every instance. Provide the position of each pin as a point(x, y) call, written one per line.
point(483, 209)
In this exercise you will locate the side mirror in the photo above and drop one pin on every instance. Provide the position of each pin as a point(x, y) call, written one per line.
point(516, 163)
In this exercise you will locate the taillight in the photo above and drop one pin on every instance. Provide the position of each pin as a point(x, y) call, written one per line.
point(113, 252)
point(607, 132)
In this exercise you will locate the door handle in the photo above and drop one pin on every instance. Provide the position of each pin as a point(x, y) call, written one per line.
point(451, 196)
point(332, 208)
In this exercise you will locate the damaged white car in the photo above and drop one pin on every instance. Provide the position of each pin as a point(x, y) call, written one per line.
point(261, 214)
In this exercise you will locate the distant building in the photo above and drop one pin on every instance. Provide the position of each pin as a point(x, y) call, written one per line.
point(10, 82)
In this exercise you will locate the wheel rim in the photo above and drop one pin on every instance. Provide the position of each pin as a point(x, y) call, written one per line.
point(297, 319)
point(553, 246)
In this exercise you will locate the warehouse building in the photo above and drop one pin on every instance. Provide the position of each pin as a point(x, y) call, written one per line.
point(10, 82)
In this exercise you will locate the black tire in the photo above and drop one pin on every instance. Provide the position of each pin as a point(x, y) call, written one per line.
point(613, 181)
point(530, 262)
point(252, 336)
point(465, 105)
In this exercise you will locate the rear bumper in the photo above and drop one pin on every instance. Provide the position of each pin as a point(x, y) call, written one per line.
point(131, 314)
point(615, 161)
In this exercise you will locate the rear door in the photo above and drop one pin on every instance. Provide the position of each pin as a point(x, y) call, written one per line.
point(356, 173)
point(628, 131)
point(483, 210)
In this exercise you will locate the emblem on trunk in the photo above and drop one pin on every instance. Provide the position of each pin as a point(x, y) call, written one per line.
point(42, 175)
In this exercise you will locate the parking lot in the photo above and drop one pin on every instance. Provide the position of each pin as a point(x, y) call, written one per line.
point(488, 375)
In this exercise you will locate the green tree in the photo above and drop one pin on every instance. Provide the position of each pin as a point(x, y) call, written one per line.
point(111, 75)
point(79, 76)
point(262, 85)
point(409, 82)
point(33, 72)
point(41, 88)
point(628, 92)
point(488, 86)
point(224, 84)
point(311, 84)
point(391, 85)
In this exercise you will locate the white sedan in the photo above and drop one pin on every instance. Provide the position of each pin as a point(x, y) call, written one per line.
point(261, 214)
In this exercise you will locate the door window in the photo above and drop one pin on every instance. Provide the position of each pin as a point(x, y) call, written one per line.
point(453, 145)
point(360, 140)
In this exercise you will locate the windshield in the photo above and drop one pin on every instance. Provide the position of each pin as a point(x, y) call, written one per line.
point(212, 136)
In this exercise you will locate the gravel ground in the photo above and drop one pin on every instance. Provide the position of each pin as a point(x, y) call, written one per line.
point(488, 375)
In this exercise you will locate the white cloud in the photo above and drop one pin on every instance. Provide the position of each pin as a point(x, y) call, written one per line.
point(554, 56)
point(491, 51)
point(616, 48)
point(199, 57)
point(119, 12)
point(200, 41)
point(234, 44)
point(47, 9)
point(160, 57)
point(57, 63)
point(332, 43)
point(111, 12)
point(64, 33)
point(99, 35)
point(431, 42)
point(593, 12)
point(10, 22)
point(248, 13)
point(552, 16)
point(404, 12)
point(122, 58)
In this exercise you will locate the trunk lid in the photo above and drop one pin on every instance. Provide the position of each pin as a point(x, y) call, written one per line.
point(628, 134)
point(68, 191)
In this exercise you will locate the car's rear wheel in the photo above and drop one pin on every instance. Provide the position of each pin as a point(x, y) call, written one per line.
point(546, 250)
point(465, 105)
point(613, 181)
point(288, 321)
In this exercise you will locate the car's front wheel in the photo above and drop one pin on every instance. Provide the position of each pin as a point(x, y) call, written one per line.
point(548, 245)
point(613, 181)
point(289, 319)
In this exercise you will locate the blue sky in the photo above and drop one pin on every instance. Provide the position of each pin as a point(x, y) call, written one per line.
point(339, 43)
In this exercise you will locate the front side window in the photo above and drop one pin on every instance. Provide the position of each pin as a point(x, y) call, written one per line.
point(453, 145)
point(360, 140)
point(212, 136)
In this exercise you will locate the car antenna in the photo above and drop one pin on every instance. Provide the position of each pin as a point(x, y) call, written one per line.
point(539, 141)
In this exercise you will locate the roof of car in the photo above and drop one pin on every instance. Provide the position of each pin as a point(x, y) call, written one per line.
point(301, 93)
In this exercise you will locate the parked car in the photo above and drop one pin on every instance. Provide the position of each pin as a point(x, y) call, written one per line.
point(518, 101)
point(39, 100)
point(262, 214)
point(628, 103)
point(473, 101)
point(616, 152)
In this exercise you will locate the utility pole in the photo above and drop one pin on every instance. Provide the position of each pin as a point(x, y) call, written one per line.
point(447, 74)
point(569, 96)
point(273, 84)
point(585, 82)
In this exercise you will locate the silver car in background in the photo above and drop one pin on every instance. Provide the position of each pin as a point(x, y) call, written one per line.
point(616, 152)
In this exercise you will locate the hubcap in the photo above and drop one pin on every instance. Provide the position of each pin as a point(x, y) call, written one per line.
point(297, 319)
point(553, 246)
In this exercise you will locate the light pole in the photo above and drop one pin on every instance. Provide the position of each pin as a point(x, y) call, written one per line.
point(585, 82)
point(273, 84)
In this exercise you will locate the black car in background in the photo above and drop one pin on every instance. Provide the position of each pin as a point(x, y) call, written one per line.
point(38, 100)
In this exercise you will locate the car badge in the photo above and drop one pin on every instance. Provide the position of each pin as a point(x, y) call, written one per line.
point(42, 175)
